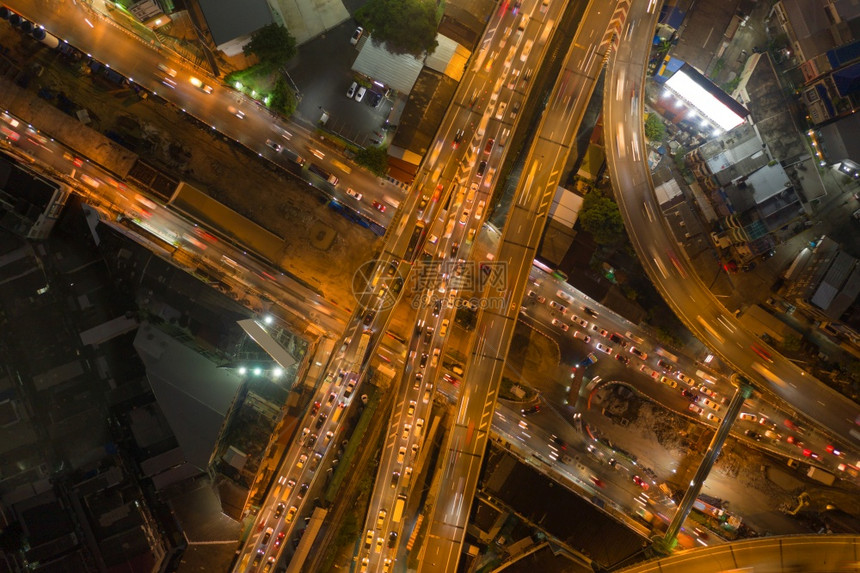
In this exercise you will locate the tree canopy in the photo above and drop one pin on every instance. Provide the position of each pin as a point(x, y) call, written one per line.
point(655, 129)
point(374, 158)
point(405, 26)
point(283, 100)
point(600, 217)
point(271, 44)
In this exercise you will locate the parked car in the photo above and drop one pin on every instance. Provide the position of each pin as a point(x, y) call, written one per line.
point(356, 36)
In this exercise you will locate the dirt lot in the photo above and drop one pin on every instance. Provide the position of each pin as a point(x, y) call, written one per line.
point(275, 200)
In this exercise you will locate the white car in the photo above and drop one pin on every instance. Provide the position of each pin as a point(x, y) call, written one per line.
point(563, 296)
point(407, 429)
point(579, 321)
point(603, 348)
point(359, 95)
point(584, 337)
point(401, 454)
point(356, 36)
point(559, 307)
point(354, 194)
point(351, 91)
point(274, 145)
point(500, 111)
point(237, 112)
point(601, 331)
point(560, 324)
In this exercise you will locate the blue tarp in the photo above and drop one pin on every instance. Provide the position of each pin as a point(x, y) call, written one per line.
point(672, 16)
point(842, 55)
point(847, 80)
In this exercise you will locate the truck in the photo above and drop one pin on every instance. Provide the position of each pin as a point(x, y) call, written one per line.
point(323, 173)
point(362, 347)
point(398, 509)
point(820, 475)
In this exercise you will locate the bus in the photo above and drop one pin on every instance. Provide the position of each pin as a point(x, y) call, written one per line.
point(342, 166)
point(414, 241)
point(398, 509)
point(667, 355)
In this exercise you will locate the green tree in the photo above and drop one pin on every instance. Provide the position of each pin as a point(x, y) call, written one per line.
point(405, 26)
point(272, 44)
point(655, 130)
point(283, 100)
point(792, 343)
point(374, 158)
point(600, 217)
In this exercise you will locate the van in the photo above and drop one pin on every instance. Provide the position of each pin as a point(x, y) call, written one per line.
point(634, 338)
point(706, 377)
point(397, 513)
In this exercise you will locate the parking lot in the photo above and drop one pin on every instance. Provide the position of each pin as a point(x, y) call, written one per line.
point(322, 72)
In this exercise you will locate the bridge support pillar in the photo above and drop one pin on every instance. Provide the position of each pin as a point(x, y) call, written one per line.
point(665, 543)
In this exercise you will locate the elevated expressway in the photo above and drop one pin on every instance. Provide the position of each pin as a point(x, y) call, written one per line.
point(664, 259)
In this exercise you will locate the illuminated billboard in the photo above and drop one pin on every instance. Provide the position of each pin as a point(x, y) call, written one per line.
point(709, 101)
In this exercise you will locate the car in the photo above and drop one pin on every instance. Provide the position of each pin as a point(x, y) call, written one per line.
point(328, 436)
point(748, 417)
point(350, 388)
point(464, 217)
point(707, 391)
point(686, 379)
point(419, 426)
point(410, 411)
point(650, 372)
point(558, 307)
point(237, 112)
point(379, 206)
point(640, 482)
point(401, 454)
point(690, 395)
point(368, 539)
point(695, 409)
point(668, 382)
point(350, 92)
point(302, 459)
point(428, 334)
point(665, 365)
point(419, 376)
point(602, 332)
point(375, 99)
point(500, 111)
point(638, 353)
point(616, 338)
point(407, 430)
point(428, 393)
point(380, 543)
point(291, 484)
point(488, 147)
point(316, 408)
point(279, 510)
point(395, 476)
point(315, 461)
point(584, 337)
point(291, 513)
point(380, 518)
point(622, 359)
point(258, 557)
point(392, 539)
point(278, 540)
point(482, 167)
point(750, 434)
point(590, 312)
point(423, 361)
point(200, 85)
point(311, 441)
point(761, 352)
point(359, 95)
point(714, 418)
point(356, 36)
point(321, 420)
point(169, 82)
point(386, 566)
point(560, 324)
point(536, 296)
point(302, 491)
point(275, 145)
point(458, 137)
point(435, 359)
point(415, 448)
point(364, 564)
point(711, 404)
point(443, 328)
point(515, 109)
point(169, 71)
point(603, 348)
point(579, 321)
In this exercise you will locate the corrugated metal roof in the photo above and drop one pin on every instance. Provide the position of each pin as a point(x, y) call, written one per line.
point(396, 71)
